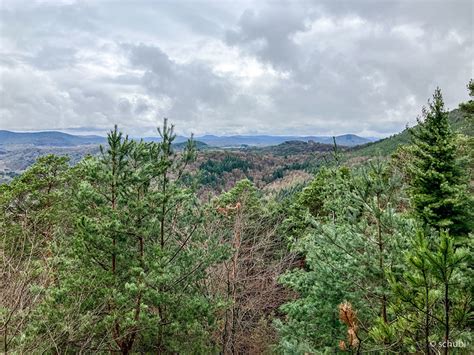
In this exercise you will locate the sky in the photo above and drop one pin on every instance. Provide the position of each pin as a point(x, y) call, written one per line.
point(230, 67)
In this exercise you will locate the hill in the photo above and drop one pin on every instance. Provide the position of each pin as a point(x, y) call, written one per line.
point(220, 169)
point(460, 122)
point(348, 140)
point(60, 139)
point(199, 145)
point(295, 147)
point(47, 138)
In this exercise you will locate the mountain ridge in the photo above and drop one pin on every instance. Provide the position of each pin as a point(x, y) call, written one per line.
point(48, 138)
point(58, 139)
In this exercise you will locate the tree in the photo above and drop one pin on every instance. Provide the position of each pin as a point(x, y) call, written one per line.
point(415, 300)
point(32, 219)
point(438, 185)
point(354, 233)
point(248, 280)
point(311, 321)
point(446, 262)
point(131, 278)
point(432, 299)
point(468, 107)
point(424, 298)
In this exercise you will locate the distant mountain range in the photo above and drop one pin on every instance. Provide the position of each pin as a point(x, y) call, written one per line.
point(60, 139)
point(48, 138)
point(349, 140)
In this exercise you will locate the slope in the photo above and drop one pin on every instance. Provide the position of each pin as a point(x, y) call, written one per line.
point(461, 122)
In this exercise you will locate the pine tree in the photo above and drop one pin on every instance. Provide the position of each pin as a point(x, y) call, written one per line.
point(415, 298)
point(446, 262)
point(425, 299)
point(432, 299)
point(131, 279)
point(468, 107)
point(354, 233)
point(311, 321)
point(438, 185)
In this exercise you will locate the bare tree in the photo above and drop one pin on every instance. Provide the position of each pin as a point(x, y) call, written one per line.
point(248, 281)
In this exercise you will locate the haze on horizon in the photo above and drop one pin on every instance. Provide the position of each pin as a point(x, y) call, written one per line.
point(222, 67)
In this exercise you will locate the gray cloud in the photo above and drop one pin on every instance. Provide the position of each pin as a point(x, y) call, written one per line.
point(268, 34)
point(324, 67)
point(54, 58)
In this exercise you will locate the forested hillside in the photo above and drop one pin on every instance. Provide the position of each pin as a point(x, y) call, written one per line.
point(293, 249)
point(219, 168)
point(459, 120)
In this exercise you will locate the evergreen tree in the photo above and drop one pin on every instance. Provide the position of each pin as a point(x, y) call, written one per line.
point(414, 300)
point(446, 262)
point(353, 235)
point(425, 300)
point(132, 275)
point(438, 185)
point(468, 107)
point(432, 299)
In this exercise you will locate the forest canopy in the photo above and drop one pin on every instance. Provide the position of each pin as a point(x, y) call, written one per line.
point(119, 253)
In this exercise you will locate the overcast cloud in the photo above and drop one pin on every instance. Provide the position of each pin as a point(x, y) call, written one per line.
point(277, 67)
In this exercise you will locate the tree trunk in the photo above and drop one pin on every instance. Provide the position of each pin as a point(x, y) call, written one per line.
point(381, 265)
point(446, 317)
point(427, 315)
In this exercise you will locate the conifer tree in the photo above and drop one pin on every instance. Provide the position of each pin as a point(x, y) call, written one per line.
point(432, 299)
point(437, 184)
point(354, 233)
point(425, 299)
point(414, 300)
point(446, 262)
point(468, 107)
point(131, 277)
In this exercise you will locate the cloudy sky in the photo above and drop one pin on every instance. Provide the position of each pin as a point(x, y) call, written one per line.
point(230, 67)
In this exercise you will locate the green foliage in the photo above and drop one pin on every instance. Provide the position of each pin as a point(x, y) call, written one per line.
point(33, 218)
point(243, 192)
point(432, 297)
point(438, 185)
point(118, 254)
point(134, 265)
point(460, 121)
point(280, 172)
point(468, 107)
point(425, 301)
point(349, 230)
point(33, 199)
point(212, 170)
